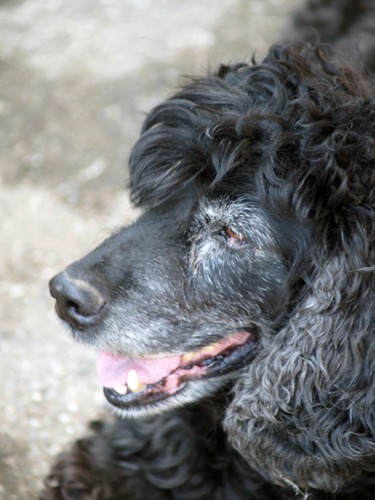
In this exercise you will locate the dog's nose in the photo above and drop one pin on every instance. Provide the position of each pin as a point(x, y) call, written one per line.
point(77, 301)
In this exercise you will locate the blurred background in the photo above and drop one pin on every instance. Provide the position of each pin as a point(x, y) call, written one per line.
point(76, 78)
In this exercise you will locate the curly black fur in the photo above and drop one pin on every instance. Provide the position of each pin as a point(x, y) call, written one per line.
point(182, 455)
point(282, 151)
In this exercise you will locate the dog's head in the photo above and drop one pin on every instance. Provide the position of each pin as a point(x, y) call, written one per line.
point(252, 261)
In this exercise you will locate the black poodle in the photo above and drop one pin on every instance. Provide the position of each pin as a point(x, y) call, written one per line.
point(234, 319)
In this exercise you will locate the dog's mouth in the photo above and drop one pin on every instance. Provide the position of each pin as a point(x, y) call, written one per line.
point(130, 383)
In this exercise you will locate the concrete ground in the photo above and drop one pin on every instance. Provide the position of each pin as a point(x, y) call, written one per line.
point(75, 80)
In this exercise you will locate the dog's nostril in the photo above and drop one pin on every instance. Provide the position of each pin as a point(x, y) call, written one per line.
point(76, 308)
point(77, 301)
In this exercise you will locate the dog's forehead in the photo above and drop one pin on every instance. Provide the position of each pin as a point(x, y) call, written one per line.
point(226, 210)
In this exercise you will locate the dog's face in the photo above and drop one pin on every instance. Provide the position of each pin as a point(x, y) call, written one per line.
point(177, 303)
point(184, 298)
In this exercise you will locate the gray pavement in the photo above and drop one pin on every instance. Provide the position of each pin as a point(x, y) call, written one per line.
point(75, 80)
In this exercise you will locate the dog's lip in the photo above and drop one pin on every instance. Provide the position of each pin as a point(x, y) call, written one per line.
point(117, 370)
point(236, 352)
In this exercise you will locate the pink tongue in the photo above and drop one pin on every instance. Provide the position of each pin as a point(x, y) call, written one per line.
point(113, 370)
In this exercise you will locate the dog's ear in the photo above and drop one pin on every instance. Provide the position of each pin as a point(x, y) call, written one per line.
point(304, 412)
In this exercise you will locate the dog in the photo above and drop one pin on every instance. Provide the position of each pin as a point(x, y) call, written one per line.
point(234, 319)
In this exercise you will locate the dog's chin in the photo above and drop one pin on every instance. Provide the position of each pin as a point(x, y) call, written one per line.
point(198, 375)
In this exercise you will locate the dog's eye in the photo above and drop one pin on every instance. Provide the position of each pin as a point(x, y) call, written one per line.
point(232, 238)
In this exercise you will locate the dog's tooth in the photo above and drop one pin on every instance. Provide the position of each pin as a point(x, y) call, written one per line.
point(133, 381)
point(189, 356)
point(121, 389)
point(210, 349)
